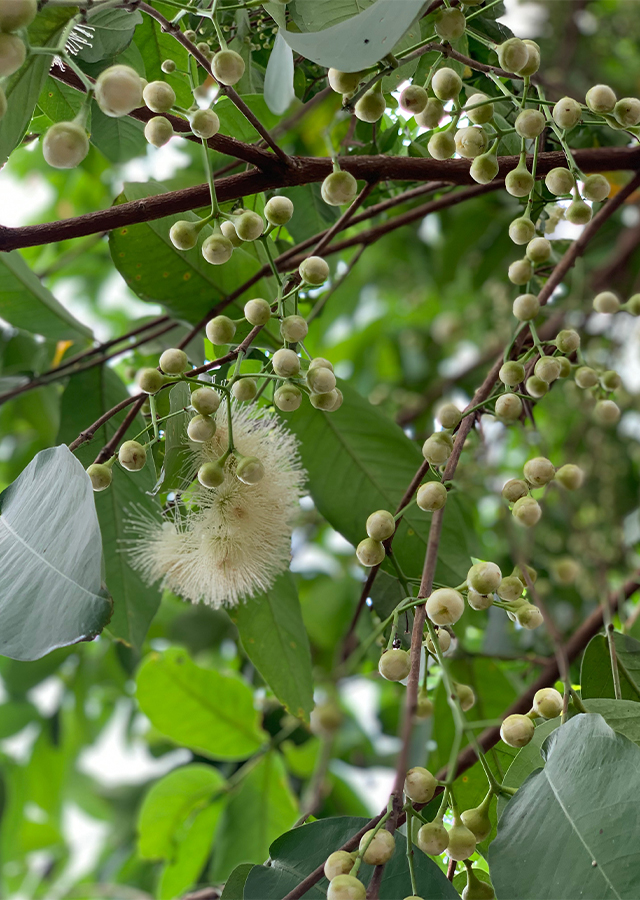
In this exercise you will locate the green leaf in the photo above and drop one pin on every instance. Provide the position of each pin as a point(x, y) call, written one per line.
point(310, 213)
point(621, 715)
point(297, 853)
point(262, 808)
point(192, 853)
point(170, 802)
point(27, 304)
point(234, 123)
point(119, 139)
point(527, 760)
point(596, 679)
point(278, 79)
point(274, 638)
point(176, 444)
point(200, 708)
point(234, 888)
point(14, 716)
point(88, 395)
point(112, 33)
point(155, 46)
point(23, 88)
point(59, 101)
point(50, 559)
point(186, 285)
point(359, 461)
point(571, 830)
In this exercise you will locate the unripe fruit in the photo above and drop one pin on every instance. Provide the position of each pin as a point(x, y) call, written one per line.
point(586, 377)
point(610, 380)
point(250, 470)
point(484, 168)
point(65, 145)
point(479, 601)
point(12, 53)
point(508, 407)
point(510, 588)
point(465, 696)
point(118, 91)
point(512, 55)
point(343, 82)
point(476, 889)
point(484, 577)
point(514, 489)
point(596, 188)
point(445, 606)
point(527, 511)
point(431, 115)
point(566, 113)
point(519, 182)
point(346, 887)
point(578, 212)
point(538, 250)
point(420, 785)
point(278, 210)
point(437, 448)
point(220, 330)
point(338, 863)
point(370, 107)
point(547, 368)
point(16, 14)
point(286, 363)
point(100, 475)
point(449, 415)
point(526, 307)
point(462, 842)
point(606, 302)
point(257, 311)
point(168, 66)
point(321, 380)
point(227, 67)
point(288, 397)
point(530, 123)
point(132, 456)
point(511, 373)
point(482, 114)
point(294, 328)
point(424, 706)
point(601, 99)
point(314, 270)
point(536, 387)
point(431, 496)
point(533, 61)
point(478, 822)
point(149, 380)
point(606, 412)
point(560, 181)
point(566, 570)
point(158, 131)
point(381, 525)
point(522, 230)
point(470, 142)
point(201, 428)
point(627, 111)
point(444, 641)
point(380, 847)
point(339, 188)
point(548, 703)
point(539, 471)
point(567, 340)
point(248, 225)
point(394, 665)
point(450, 24)
point(174, 362)
point(446, 84)
point(205, 401)
point(210, 475)
point(159, 96)
point(442, 145)
point(632, 305)
point(184, 235)
point(433, 838)
point(228, 230)
point(520, 271)
point(204, 123)
point(414, 99)
point(244, 389)
point(517, 730)
point(370, 553)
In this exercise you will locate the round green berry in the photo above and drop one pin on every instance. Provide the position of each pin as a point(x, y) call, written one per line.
point(445, 606)
point(517, 730)
point(288, 397)
point(205, 401)
point(211, 475)
point(394, 665)
point(381, 525)
point(100, 475)
point(220, 330)
point(149, 380)
point(420, 785)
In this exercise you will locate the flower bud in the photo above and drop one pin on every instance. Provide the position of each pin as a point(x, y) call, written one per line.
point(420, 785)
point(527, 511)
point(159, 96)
point(314, 270)
point(339, 188)
point(512, 55)
point(204, 123)
point(158, 131)
point(538, 250)
point(149, 380)
point(220, 330)
point(517, 730)
point(370, 107)
point(627, 111)
point(444, 641)
point(211, 475)
point(586, 377)
point(578, 212)
point(118, 91)
point(445, 606)
point(321, 380)
point(565, 570)
point(250, 470)
point(536, 387)
point(566, 113)
point(17, 14)
point(174, 362)
point(288, 397)
point(227, 67)
point(431, 496)
point(346, 887)
point(610, 380)
point(510, 588)
point(570, 477)
point(414, 99)
point(465, 696)
point(596, 188)
point(257, 311)
point(567, 340)
point(522, 230)
point(514, 489)
point(424, 706)
point(65, 144)
point(479, 601)
point(508, 407)
point(184, 235)
point(632, 306)
point(431, 115)
point(433, 838)
point(606, 412)
point(520, 271)
point(100, 475)
point(482, 114)
point(548, 703)
point(201, 429)
point(338, 863)
point(477, 821)
point(12, 53)
point(476, 889)
point(511, 373)
point(470, 142)
point(600, 99)
point(462, 842)
point(484, 577)
point(526, 307)
point(606, 302)
point(519, 182)
point(370, 553)
point(450, 24)
point(132, 456)
point(529, 616)
point(442, 145)
point(379, 848)
point(394, 665)
point(446, 84)
point(381, 525)
point(205, 401)
point(437, 448)
point(286, 363)
point(278, 210)
point(530, 123)
point(449, 415)
point(248, 225)
point(560, 181)
point(168, 66)
point(244, 389)
point(539, 471)
point(343, 82)
point(547, 368)
point(294, 329)
point(484, 168)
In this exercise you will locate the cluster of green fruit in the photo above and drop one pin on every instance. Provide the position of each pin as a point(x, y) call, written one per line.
point(538, 472)
point(15, 17)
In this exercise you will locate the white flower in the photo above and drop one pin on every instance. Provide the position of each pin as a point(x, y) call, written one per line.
point(220, 546)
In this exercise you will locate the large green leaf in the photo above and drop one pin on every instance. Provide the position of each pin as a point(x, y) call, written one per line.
point(27, 304)
point(596, 679)
point(185, 284)
point(297, 853)
point(119, 139)
point(200, 708)
point(275, 640)
point(112, 33)
point(191, 854)
point(88, 395)
point(358, 461)
point(262, 808)
point(621, 715)
point(234, 887)
point(571, 830)
point(23, 88)
point(50, 558)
